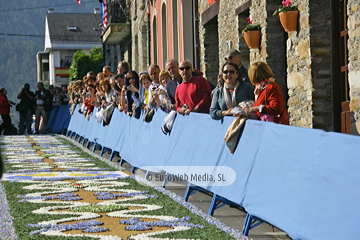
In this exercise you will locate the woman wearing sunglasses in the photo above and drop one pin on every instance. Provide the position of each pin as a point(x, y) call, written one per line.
point(130, 93)
point(231, 94)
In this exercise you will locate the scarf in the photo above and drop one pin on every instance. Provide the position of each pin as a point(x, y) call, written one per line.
point(146, 97)
point(230, 103)
point(262, 85)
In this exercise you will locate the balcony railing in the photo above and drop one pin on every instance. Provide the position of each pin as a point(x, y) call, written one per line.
point(117, 12)
point(118, 26)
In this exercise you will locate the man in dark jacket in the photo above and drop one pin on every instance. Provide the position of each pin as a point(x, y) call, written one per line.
point(233, 55)
point(5, 105)
point(25, 108)
point(43, 103)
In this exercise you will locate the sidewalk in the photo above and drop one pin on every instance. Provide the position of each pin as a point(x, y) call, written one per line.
point(233, 217)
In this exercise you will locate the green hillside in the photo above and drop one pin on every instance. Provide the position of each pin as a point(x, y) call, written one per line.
point(22, 32)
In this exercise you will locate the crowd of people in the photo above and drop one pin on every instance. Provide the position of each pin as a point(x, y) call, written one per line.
point(39, 104)
point(176, 89)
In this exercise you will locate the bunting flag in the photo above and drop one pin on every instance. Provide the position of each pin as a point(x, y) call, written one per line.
point(78, 2)
point(104, 15)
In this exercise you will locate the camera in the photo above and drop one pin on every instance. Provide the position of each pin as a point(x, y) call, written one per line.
point(128, 87)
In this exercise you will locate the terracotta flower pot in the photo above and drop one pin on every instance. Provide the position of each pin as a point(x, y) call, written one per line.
point(252, 39)
point(289, 20)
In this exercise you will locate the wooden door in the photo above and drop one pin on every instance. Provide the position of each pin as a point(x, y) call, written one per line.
point(344, 72)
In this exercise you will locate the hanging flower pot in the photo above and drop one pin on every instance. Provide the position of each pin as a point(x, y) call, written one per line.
point(252, 39)
point(288, 15)
point(252, 34)
point(289, 20)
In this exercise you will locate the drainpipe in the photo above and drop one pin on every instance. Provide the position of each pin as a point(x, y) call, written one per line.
point(148, 33)
point(195, 37)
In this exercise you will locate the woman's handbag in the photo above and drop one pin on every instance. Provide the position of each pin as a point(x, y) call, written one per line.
point(107, 114)
point(282, 118)
point(267, 117)
point(149, 115)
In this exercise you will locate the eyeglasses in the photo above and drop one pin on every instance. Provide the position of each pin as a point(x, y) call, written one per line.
point(228, 58)
point(129, 78)
point(231, 72)
point(183, 68)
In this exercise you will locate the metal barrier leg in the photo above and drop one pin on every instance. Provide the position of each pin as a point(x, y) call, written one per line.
point(165, 181)
point(218, 202)
point(73, 134)
point(104, 150)
point(96, 147)
point(122, 161)
point(113, 154)
point(250, 223)
point(133, 169)
point(190, 190)
point(89, 144)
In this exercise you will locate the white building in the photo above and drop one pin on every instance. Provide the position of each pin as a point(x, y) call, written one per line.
point(65, 33)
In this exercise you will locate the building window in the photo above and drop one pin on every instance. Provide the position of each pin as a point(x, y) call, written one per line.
point(175, 29)
point(164, 33)
point(155, 42)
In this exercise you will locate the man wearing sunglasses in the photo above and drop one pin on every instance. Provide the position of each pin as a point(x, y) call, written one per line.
point(194, 93)
point(233, 55)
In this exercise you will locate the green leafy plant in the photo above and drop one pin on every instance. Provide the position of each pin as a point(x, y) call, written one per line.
point(83, 63)
point(250, 26)
point(285, 7)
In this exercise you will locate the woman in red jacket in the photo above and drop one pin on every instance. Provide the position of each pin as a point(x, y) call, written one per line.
point(5, 105)
point(269, 99)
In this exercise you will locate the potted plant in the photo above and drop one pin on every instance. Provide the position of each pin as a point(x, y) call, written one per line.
point(252, 34)
point(288, 15)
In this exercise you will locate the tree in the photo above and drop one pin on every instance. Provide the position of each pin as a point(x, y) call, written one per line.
point(83, 63)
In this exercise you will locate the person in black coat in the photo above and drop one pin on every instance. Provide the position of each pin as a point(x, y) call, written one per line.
point(43, 103)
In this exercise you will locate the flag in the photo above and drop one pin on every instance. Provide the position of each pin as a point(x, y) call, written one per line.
point(78, 2)
point(104, 15)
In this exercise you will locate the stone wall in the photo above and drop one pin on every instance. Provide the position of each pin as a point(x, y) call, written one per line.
point(299, 70)
point(354, 63)
point(228, 27)
point(209, 56)
point(319, 18)
point(112, 55)
point(139, 41)
point(275, 40)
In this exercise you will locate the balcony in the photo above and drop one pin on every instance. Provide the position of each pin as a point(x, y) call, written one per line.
point(118, 23)
point(115, 33)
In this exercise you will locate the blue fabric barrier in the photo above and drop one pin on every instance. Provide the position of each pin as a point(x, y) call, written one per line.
point(94, 128)
point(61, 120)
point(52, 116)
point(306, 182)
point(109, 133)
point(75, 121)
point(303, 181)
